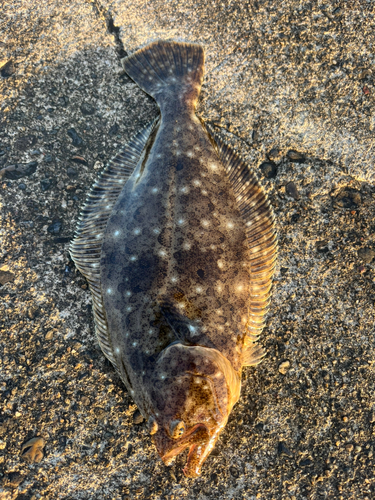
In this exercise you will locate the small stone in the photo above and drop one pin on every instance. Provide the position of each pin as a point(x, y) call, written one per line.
point(274, 154)
point(71, 172)
point(76, 139)
point(55, 227)
point(60, 185)
point(87, 109)
point(284, 367)
point(19, 170)
point(45, 184)
point(366, 254)
point(268, 169)
point(347, 197)
point(349, 448)
point(32, 451)
point(295, 156)
point(48, 159)
point(14, 479)
point(6, 277)
point(79, 159)
point(306, 462)
point(357, 449)
point(49, 335)
point(22, 186)
point(137, 417)
point(322, 246)
point(25, 142)
point(345, 419)
point(114, 129)
point(33, 312)
point(7, 68)
point(292, 191)
point(282, 449)
point(85, 400)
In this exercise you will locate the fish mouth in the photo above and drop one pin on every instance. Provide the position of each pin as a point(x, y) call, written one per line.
point(195, 439)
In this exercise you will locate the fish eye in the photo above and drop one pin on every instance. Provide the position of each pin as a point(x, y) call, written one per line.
point(176, 429)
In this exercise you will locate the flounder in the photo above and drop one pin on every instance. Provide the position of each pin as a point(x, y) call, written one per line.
point(178, 243)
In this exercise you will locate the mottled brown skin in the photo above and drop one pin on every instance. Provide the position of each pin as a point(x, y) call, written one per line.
point(174, 268)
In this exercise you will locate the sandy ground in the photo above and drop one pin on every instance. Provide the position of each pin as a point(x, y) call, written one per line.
point(291, 84)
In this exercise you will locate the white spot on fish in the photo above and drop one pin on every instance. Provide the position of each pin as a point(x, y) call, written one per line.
point(134, 344)
point(199, 289)
point(213, 166)
point(230, 225)
point(156, 230)
point(181, 221)
point(133, 258)
point(205, 223)
point(117, 350)
point(154, 190)
point(137, 230)
point(158, 155)
point(220, 264)
point(197, 182)
point(184, 189)
point(99, 235)
point(109, 291)
point(190, 154)
point(128, 308)
point(192, 329)
point(162, 253)
point(204, 192)
point(186, 245)
point(116, 233)
point(128, 293)
point(174, 279)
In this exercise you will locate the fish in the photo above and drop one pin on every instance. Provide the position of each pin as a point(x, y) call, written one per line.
point(178, 244)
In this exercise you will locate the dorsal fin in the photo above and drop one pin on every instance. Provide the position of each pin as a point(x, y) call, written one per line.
point(261, 237)
point(85, 248)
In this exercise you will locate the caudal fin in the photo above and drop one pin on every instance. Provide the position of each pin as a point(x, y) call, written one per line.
point(164, 66)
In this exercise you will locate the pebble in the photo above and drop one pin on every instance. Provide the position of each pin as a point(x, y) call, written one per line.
point(268, 169)
point(55, 227)
point(79, 159)
point(114, 129)
point(366, 254)
point(6, 277)
point(282, 449)
point(322, 246)
point(22, 186)
point(33, 312)
point(71, 172)
point(349, 447)
point(87, 109)
point(19, 170)
point(295, 156)
point(284, 367)
point(60, 185)
point(292, 191)
point(305, 463)
point(274, 154)
point(85, 400)
point(76, 139)
point(7, 68)
point(48, 158)
point(45, 184)
point(137, 417)
point(25, 142)
point(32, 451)
point(49, 335)
point(347, 197)
point(14, 479)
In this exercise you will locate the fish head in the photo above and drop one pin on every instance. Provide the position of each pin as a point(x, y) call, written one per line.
point(193, 390)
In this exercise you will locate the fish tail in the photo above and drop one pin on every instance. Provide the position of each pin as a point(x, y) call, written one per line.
point(165, 68)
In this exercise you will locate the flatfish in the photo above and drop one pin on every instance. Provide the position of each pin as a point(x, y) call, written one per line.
point(177, 241)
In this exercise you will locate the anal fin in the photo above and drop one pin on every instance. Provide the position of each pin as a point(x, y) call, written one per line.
point(261, 235)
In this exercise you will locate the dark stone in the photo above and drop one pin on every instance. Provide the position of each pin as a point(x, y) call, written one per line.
point(268, 169)
point(87, 109)
point(55, 227)
point(282, 449)
point(366, 254)
point(7, 69)
point(274, 153)
point(295, 156)
point(48, 158)
point(347, 197)
point(45, 184)
point(25, 142)
point(14, 479)
point(200, 273)
point(71, 172)
point(305, 463)
point(22, 186)
point(76, 139)
point(19, 170)
point(2, 153)
point(114, 129)
point(63, 101)
point(322, 246)
point(79, 159)
point(291, 190)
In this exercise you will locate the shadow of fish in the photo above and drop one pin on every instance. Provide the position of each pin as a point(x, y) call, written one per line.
point(178, 244)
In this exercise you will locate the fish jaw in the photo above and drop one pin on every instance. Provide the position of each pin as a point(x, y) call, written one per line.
point(198, 440)
point(169, 448)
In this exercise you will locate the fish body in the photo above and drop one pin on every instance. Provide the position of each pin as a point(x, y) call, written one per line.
point(178, 244)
